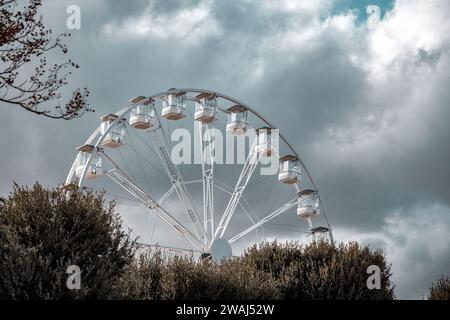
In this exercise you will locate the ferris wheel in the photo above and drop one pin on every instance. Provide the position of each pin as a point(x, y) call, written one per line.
point(197, 170)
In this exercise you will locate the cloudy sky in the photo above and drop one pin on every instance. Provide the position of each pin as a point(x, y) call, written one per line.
point(365, 102)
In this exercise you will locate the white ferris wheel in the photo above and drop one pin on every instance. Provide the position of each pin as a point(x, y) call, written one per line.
point(215, 196)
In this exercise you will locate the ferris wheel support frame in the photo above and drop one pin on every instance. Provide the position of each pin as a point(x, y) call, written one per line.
point(118, 176)
point(160, 144)
point(207, 158)
point(246, 173)
point(285, 207)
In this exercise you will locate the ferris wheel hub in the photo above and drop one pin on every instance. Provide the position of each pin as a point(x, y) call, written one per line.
point(221, 250)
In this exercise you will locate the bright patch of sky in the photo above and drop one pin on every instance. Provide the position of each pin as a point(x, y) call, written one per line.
point(360, 7)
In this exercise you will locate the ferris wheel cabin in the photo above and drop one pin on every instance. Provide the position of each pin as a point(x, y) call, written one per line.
point(266, 144)
point(205, 107)
point(289, 171)
point(94, 168)
point(114, 137)
point(143, 116)
point(174, 106)
point(237, 124)
point(320, 233)
point(308, 204)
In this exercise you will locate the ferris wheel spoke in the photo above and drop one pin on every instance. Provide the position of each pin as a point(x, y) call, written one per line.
point(166, 195)
point(268, 218)
point(243, 203)
point(246, 173)
point(119, 177)
point(145, 158)
point(176, 180)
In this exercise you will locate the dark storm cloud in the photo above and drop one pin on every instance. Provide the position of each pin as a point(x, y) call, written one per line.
point(403, 175)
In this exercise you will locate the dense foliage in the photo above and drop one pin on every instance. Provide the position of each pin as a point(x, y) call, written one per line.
point(268, 271)
point(440, 290)
point(154, 276)
point(43, 231)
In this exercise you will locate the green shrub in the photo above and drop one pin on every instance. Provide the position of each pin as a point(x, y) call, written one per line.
point(43, 231)
point(440, 290)
point(266, 271)
point(153, 276)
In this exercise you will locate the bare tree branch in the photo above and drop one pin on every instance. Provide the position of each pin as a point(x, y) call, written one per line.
point(24, 40)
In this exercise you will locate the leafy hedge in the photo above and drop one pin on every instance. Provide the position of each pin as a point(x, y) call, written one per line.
point(44, 231)
point(440, 290)
point(267, 271)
